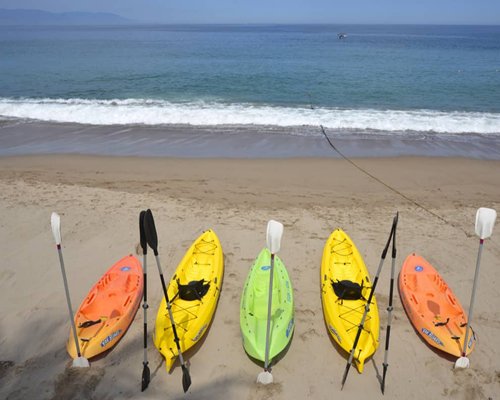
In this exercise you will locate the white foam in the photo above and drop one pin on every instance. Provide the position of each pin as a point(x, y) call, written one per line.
point(157, 112)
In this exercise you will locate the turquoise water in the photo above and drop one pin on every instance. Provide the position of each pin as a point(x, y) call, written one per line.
point(443, 79)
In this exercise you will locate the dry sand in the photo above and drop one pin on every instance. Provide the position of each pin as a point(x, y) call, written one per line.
point(99, 199)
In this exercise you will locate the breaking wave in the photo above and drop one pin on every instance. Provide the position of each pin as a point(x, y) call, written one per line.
point(159, 112)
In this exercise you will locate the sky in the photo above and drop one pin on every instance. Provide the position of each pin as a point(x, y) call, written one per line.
point(482, 12)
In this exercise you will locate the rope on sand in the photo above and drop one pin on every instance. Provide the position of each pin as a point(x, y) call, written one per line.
point(391, 188)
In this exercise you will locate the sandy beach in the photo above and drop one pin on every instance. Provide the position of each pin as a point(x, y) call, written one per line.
point(99, 199)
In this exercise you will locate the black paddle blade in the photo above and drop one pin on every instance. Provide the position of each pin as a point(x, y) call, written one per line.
point(146, 376)
point(394, 235)
point(186, 379)
point(346, 371)
point(382, 385)
point(144, 243)
point(150, 231)
point(393, 229)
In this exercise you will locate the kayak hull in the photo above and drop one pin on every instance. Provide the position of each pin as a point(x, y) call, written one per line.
point(254, 308)
point(108, 310)
point(432, 308)
point(342, 261)
point(203, 261)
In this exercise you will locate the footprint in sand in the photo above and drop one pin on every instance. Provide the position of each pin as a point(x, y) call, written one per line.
point(76, 383)
point(5, 367)
point(305, 311)
point(266, 391)
point(305, 336)
point(304, 314)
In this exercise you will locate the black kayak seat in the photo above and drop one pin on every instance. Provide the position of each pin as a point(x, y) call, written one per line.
point(348, 290)
point(193, 290)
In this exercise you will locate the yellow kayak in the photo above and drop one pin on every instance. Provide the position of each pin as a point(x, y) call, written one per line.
point(345, 288)
point(193, 292)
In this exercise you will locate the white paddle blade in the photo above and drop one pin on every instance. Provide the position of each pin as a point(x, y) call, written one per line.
point(81, 362)
point(485, 220)
point(462, 362)
point(55, 222)
point(274, 234)
point(265, 378)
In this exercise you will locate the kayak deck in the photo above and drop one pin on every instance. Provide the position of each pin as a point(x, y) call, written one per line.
point(254, 308)
point(107, 311)
point(193, 292)
point(432, 307)
point(342, 262)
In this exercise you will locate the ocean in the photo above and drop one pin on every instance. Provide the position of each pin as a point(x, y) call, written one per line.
point(380, 79)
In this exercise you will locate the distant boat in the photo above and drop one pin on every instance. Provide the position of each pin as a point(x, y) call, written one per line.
point(342, 35)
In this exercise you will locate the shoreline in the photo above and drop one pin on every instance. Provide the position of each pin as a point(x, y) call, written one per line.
point(241, 141)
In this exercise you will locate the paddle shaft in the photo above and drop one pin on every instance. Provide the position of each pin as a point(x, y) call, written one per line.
point(269, 309)
point(473, 295)
point(389, 312)
point(70, 309)
point(362, 323)
point(145, 307)
point(390, 307)
point(169, 308)
point(368, 302)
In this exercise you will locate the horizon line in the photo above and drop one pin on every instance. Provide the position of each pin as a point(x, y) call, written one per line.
point(152, 23)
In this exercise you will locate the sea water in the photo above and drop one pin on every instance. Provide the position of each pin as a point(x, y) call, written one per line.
point(381, 79)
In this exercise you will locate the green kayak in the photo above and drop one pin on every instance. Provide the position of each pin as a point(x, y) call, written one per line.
point(254, 308)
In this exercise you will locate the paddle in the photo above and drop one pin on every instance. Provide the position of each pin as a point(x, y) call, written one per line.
point(368, 302)
point(55, 222)
point(273, 237)
point(389, 308)
point(152, 239)
point(485, 220)
point(146, 374)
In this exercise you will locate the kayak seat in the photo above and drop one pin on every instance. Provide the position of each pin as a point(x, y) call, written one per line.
point(433, 309)
point(348, 290)
point(194, 290)
point(94, 311)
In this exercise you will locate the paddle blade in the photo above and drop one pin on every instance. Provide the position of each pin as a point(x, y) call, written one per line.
point(150, 231)
point(265, 377)
point(146, 377)
point(382, 385)
point(485, 220)
point(55, 223)
point(144, 243)
point(186, 379)
point(81, 362)
point(346, 371)
point(462, 362)
point(274, 234)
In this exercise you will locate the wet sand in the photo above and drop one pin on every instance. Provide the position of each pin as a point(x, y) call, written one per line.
point(252, 141)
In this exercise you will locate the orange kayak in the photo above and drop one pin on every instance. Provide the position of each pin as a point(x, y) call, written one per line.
point(432, 307)
point(108, 310)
